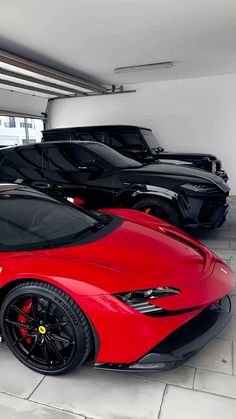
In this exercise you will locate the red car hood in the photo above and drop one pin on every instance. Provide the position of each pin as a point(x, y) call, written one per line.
point(135, 256)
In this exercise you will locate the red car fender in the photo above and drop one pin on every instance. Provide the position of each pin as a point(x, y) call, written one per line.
point(124, 334)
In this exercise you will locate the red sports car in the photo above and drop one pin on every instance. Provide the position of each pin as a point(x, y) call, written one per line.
point(118, 287)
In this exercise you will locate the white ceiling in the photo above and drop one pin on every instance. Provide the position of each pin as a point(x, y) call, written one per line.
point(89, 38)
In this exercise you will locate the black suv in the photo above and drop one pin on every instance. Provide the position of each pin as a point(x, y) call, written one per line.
point(102, 177)
point(138, 143)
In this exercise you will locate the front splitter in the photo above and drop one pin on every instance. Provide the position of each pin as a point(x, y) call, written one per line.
point(183, 342)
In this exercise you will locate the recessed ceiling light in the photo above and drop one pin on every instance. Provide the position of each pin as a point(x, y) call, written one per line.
point(143, 67)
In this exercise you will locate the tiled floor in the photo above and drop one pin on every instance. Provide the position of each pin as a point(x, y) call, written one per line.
point(204, 388)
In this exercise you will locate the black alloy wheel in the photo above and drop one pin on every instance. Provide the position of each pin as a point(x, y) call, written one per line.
point(45, 329)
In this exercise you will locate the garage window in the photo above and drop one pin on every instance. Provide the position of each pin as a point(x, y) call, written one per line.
point(16, 130)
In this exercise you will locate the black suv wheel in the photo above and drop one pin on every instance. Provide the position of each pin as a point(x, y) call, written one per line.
point(158, 208)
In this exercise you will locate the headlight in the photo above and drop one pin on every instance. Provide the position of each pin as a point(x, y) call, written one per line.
point(143, 295)
point(139, 299)
point(200, 187)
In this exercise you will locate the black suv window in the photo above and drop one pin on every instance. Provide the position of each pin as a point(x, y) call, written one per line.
point(67, 157)
point(100, 136)
point(150, 138)
point(30, 158)
point(107, 156)
point(126, 140)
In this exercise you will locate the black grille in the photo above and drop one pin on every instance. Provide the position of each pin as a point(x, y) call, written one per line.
point(209, 208)
point(188, 332)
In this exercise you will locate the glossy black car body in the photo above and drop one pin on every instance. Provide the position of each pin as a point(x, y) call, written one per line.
point(138, 143)
point(104, 178)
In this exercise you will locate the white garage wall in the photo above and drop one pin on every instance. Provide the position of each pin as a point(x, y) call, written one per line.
point(195, 114)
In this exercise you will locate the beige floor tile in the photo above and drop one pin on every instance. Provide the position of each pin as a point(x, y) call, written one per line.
point(182, 403)
point(215, 382)
point(15, 378)
point(229, 331)
point(216, 356)
point(15, 408)
point(102, 394)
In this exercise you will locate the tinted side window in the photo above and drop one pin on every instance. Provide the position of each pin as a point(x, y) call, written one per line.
point(130, 139)
point(100, 136)
point(67, 157)
point(126, 140)
point(28, 159)
point(116, 142)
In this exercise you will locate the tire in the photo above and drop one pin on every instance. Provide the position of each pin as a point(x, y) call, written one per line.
point(45, 329)
point(159, 208)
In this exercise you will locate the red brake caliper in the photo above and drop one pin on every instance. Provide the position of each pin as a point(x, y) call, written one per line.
point(26, 309)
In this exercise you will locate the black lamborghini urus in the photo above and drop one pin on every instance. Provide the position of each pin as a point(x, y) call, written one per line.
point(102, 177)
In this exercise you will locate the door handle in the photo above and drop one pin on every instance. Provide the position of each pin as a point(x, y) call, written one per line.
point(82, 167)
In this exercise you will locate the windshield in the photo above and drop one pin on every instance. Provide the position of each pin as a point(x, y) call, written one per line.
point(33, 220)
point(150, 138)
point(111, 156)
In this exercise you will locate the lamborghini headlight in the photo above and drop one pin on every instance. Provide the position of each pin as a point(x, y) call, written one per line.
point(200, 187)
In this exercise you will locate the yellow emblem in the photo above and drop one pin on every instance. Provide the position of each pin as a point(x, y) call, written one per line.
point(42, 330)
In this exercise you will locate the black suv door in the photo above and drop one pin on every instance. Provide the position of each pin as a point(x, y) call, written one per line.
point(73, 169)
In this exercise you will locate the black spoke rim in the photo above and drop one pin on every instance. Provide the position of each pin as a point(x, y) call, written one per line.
point(45, 354)
point(21, 339)
point(40, 332)
point(18, 324)
point(19, 311)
